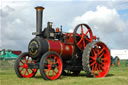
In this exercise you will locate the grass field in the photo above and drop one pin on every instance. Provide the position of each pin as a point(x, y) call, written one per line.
point(116, 76)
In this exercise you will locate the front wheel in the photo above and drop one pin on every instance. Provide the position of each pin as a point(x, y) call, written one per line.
point(21, 66)
point(51, 66)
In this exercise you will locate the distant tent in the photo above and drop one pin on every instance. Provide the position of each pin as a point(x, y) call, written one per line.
point(16, 52)
point(9, 54)
point(121, 53)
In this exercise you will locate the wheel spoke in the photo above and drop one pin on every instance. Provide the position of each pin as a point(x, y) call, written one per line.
point(81, 33)
point(90, 60)
point(87, 39)
point(104, 58)
point(103, 68)
point(93, 63)
point(103, 63)
point(54, 60)
point(46, 70)
point(21, 70)
point(101, 55)
point(86, 32)
point(34, 70)
point(99, 59)
point(97, 70)
point(96, 49)
point(21, 61)
point(52, 72)
point(95, 67)
point(99, 67)
point(49, 66)
point(49, 61)
point(55, 72)
point(83, 42)
point(82, 30)
point(80, 41)
point(48, 73)
point(57, 67)
point(78, 34)
point(21, 66)
point(93, 57)
point(25, 60)
point(94, 52)
point(101, 51)
point(25, 72)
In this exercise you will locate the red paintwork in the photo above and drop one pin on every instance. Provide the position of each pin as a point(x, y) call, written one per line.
point(81, 44)
point(94, 37)
point(65, 50)
point(68, 51)
point(17, 52)
point(23, 67)
point(68, 38)
point(100, 69)
point(51, 73)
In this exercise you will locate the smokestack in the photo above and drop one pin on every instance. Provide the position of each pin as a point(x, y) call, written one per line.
point(39, 12)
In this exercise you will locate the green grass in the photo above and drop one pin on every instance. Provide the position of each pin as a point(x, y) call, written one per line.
point(116, 76)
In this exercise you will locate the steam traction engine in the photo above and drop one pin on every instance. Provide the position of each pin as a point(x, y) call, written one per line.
point(55, 52)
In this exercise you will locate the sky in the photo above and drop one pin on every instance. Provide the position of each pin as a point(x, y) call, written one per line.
point(108, 20)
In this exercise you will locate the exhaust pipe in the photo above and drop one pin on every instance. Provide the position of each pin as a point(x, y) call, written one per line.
point(39, 12)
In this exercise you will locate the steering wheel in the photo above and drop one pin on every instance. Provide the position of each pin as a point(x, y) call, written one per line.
point(82, 35)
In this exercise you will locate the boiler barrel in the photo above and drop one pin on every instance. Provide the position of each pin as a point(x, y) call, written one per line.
point(38, 46)
point(65, 51)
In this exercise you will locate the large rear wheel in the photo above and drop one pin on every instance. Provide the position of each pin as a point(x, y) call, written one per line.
point(51, 66)
point(96, 59)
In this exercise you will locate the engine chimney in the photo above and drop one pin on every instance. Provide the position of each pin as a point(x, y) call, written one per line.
point(39, 12)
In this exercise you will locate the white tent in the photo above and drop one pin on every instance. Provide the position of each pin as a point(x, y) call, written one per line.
point(122, 53)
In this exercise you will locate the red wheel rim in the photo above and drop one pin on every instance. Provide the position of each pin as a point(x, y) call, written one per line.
point(99, 60)
point(53, 67)
point(85, 35)
point(23, 67)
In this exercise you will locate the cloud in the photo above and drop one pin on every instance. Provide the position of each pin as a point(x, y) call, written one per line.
point(0, 40)
point(104, 19)
point(16, 29)
point(106, 24)
point(18, 20)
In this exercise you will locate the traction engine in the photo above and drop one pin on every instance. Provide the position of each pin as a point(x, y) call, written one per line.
point(57, 53)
